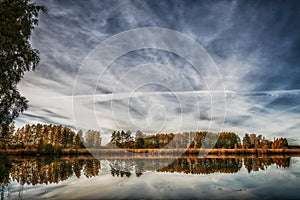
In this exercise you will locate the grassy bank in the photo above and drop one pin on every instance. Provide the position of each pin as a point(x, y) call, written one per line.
point(162, 152)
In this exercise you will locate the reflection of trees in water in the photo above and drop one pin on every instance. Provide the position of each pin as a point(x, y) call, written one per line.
point(42, 170)
point(121, 168)
point(186, 165)
point(223, 165)
point(127, 167)
point(4, 173)
point(49, 170)
point(4, 169)
point(256, 164)
point(192, 165)
point(204, 165)
point(91, 168)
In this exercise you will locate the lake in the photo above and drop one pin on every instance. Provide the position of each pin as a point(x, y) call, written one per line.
point(186, 177)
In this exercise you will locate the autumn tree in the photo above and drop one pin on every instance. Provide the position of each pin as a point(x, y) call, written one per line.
point(128, 136)
point(128, 140)
point(97, 139)
point(8, 138)
point(246, 141)
point(227, 140)
point(139, 139)
point(280, 143)
point(113, 137)
point(118, 138)
point(122, 134)
point(79, 141)
point(93, 139)
point(89, 138)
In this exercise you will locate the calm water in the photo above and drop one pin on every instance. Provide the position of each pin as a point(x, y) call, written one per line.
point(150, 178)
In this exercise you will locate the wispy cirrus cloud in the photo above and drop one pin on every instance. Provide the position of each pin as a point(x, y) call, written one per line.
point(255, 46)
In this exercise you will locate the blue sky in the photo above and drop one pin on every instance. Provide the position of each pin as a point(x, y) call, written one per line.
point(253, 48)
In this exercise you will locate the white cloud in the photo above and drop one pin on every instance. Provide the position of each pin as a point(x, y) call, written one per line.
point(65, 39)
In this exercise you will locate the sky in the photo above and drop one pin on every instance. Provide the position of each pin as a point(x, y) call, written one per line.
point(167, 66)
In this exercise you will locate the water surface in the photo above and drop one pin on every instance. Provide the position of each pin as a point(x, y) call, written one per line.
point(189, 177)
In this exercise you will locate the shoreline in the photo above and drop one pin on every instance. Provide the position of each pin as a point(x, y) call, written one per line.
point(156, 152)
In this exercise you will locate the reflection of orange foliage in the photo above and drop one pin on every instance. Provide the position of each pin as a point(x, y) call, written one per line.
point(281, 162)
point(204, 165)
point(91, 168)
point(254, 164)
point(39, 171)
point(223, 165)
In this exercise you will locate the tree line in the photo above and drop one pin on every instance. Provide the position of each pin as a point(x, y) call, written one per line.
point(49, 138)
point(200, 139)
point(254, 141)
point(54, 138)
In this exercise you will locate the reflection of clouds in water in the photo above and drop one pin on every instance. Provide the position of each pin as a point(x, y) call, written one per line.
point(261, 184)
point(194, 165)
